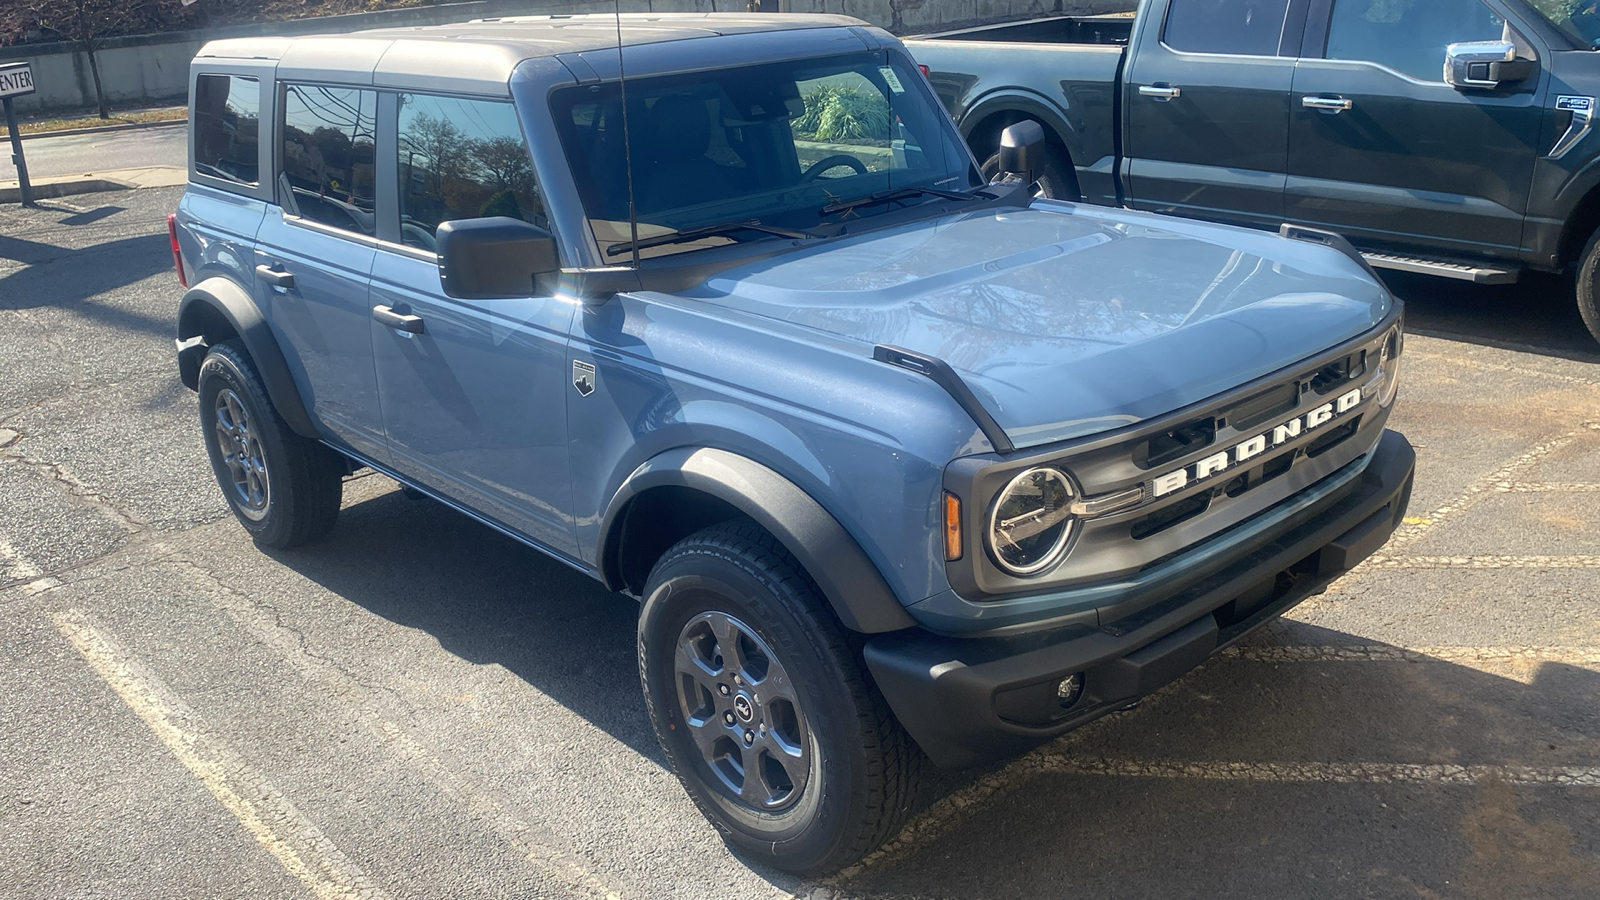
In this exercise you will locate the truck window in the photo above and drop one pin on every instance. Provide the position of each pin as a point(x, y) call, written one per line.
point(1240, 27)
point(462, 159)
point(227, 127)
point(1408, 36)
point(329, 156)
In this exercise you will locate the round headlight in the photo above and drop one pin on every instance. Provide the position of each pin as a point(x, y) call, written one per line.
point(1389, 362)
point(1032, 521)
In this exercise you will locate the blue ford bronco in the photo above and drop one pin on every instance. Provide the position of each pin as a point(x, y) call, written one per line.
point(904, 464)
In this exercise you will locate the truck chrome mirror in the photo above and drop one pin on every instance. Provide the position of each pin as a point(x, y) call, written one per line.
point(1484, 65)
point(493, 257)
point(1021, 150)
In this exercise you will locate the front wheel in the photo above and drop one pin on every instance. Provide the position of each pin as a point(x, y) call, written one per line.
point(763, 708)
point(1587, 285)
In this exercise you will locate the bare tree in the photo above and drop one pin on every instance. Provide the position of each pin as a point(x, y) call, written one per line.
point(89, 23)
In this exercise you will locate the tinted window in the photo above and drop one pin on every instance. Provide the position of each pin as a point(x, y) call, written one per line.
point(328, 154)
point(227, 127)
point(462, 159)
point(774, 143)
point(1245, 27)
point(1408, 36)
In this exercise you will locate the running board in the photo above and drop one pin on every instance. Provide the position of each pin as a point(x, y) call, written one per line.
point(1459, 271)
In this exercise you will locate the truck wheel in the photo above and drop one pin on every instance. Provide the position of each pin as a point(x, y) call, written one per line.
point(763, 708)
point(1056, 179)
point(284, 488)
point(1587, 286)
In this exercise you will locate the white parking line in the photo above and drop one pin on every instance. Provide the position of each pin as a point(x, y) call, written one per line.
point(1550, 487)
point(1571, 656)
point(13, 567)
point(1329, 773)
point(1487, 562)
point(1415, 527)
point(298, 845)
point(262, 622)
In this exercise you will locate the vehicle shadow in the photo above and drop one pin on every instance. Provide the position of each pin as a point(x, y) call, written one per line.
point(1283, 777)
point(1535, 315)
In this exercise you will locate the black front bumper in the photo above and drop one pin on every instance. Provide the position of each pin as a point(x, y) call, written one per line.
point(970, 700)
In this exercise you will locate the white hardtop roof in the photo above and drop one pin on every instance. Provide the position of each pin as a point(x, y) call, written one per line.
point(482, 54)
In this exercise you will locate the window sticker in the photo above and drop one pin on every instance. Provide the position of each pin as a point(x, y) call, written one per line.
point(893, 79)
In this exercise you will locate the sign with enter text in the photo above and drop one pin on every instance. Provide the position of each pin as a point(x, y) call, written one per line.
point(16, 79)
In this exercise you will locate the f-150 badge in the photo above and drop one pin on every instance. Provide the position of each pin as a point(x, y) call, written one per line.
point(583, 377)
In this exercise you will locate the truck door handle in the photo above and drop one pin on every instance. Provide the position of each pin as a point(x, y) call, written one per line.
point(276, 277)
point(1160, 91)
point(1326, 104)
point(397, 321)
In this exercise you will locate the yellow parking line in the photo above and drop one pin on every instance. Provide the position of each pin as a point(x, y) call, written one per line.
point(1330, 773)
point(298, 845)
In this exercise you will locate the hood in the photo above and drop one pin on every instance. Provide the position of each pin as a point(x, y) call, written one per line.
point(1071, 320)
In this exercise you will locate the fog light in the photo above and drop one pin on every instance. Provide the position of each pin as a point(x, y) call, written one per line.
point(1070, 689)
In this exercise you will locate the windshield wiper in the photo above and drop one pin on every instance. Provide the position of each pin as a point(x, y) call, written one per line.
point(720, 230)
point(891, 196)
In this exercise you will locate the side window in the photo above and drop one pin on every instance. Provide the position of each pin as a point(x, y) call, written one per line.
point(328, 154)
point(227, 127)
point(1242, 27)
point(1408, 36)
point(462, 159)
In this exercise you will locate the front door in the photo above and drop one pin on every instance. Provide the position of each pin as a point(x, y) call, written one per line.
point(474, 397)
point(1207, 108)
point(1383, 151)
point(314, 257)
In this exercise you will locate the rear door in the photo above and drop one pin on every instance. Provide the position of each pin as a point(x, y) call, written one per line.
point(314, 256)
point(1206, 100)
point(1382, 150)
point(474, 404)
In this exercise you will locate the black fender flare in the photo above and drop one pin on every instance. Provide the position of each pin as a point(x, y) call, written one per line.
point(848, 579)
point(235, 306)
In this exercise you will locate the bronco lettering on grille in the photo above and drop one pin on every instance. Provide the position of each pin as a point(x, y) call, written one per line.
point(1243, 451)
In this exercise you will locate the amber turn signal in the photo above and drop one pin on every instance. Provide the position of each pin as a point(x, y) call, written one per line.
point(952, 526)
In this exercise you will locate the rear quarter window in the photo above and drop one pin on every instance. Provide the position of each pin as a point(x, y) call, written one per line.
point(1235, 27)
point(227, 128)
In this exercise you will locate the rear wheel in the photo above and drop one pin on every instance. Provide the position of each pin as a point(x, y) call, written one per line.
point(763, 707)
point(283, 488)
point(1587, 285)
point(1056, 178)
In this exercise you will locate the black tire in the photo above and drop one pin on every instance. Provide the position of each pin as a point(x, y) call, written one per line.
point(1587, 285)
point(293, 496)
point(860, 779)
point(1056, 178)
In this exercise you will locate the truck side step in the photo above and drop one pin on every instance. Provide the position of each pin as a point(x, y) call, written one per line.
point(1443, 269)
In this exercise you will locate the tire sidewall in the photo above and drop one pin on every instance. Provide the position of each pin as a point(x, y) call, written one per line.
point(682, 588)
point(1585, 288)
point(1053, 182)
point(221, 370)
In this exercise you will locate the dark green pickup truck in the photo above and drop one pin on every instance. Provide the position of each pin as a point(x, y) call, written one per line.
point(1448, 137)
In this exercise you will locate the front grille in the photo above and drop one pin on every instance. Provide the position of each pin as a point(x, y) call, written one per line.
point(1175, 442)
point(1339, 373)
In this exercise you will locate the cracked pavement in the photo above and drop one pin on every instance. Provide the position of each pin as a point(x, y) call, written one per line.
point(421, 707)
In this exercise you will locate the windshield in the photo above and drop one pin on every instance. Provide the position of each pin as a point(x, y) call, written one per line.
point(770, 145)
point(1580, 19)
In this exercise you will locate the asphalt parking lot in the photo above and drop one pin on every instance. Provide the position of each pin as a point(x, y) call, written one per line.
point(419, 707)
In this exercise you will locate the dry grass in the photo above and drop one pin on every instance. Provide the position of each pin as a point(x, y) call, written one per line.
point(69, 123)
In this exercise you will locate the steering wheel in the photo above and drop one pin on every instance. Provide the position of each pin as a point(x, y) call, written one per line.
point(815, 170)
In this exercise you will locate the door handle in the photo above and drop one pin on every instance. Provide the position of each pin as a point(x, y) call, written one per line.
point(278, 278)
point(397, 321)
point(1159, 91)
point(1326, 104)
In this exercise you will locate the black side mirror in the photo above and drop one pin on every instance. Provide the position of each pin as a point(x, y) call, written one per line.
point(494, 257)
point(1022, 150)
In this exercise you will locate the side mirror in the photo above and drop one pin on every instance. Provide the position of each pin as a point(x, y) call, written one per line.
point(1022, 150)
point(1484, 65)
point(494, 257)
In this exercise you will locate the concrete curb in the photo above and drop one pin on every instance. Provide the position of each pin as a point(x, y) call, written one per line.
point(93, 182)
point(99, 128)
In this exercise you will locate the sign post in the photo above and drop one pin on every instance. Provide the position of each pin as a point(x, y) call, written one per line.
point(16, 79)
